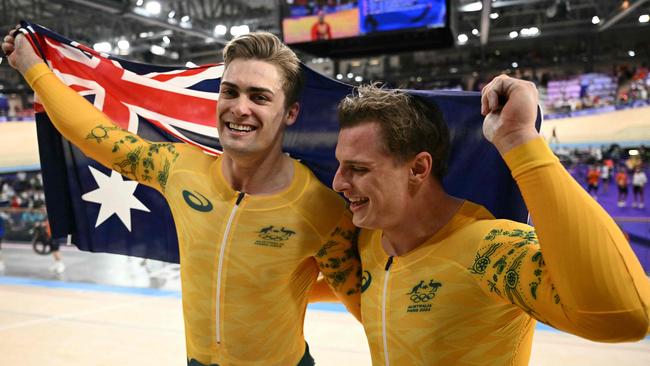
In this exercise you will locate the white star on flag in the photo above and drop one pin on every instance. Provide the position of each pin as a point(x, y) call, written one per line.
point(115, 196)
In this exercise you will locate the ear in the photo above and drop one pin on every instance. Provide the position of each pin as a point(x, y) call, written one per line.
point(292, 113)
point(420, 167)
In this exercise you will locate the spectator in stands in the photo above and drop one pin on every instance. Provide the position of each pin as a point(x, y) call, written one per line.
point(605, 177)
point(16, 202)
point(639, 179)
point(593, 178)
point(621, 183)
point(554, 139)
point(5, 195)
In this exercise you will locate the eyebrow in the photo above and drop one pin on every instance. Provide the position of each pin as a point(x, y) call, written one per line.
point(355, 162)
point(254, 89)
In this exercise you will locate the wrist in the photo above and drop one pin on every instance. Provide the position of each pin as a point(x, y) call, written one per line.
point(25, 65)
point(511, 140)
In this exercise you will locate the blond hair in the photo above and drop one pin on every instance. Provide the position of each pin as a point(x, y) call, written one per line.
point(267, 47)
point(408, 124)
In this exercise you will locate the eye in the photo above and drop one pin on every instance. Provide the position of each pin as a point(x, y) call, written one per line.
point(228, 93)
point(260, 98)
point(358, 169)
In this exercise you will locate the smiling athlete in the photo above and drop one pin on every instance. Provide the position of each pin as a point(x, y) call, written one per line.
point(445, 283)
point(254, 226)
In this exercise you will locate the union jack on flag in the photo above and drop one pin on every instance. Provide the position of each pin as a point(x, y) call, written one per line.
point(178, 104)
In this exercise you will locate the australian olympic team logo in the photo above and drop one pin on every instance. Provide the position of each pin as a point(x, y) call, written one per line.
point(272, 236)
point(421, 294)
point(197, 201)
point(271, 233)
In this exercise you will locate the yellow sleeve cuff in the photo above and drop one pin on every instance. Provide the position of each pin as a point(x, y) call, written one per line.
point(528, 156)
point(36, 72)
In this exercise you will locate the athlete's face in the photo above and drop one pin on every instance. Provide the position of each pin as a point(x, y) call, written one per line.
point(251, 110)
point(374, 183)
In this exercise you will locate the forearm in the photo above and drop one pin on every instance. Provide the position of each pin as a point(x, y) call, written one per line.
point(95, 134)
point(591, 264)
point(341, 266)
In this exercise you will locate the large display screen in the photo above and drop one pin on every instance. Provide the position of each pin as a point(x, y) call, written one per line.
point(316, 21)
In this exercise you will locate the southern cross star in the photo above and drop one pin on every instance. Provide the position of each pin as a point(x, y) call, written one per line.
point(115, 196)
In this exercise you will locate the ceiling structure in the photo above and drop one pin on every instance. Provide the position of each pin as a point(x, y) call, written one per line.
point(565, 35)
point(547, 31)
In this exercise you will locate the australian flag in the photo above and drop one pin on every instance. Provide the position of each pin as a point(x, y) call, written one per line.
point(105, 212)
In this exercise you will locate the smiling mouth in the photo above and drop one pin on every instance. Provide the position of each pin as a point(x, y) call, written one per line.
point(239, 128)
point(357, 202)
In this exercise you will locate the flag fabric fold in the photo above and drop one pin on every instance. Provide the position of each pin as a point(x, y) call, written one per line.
point(178, 104)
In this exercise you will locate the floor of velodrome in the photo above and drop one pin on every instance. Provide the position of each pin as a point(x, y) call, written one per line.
point(112, 310)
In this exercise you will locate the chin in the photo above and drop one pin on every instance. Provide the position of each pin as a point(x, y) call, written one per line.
point(237, 147)
point(363, 223)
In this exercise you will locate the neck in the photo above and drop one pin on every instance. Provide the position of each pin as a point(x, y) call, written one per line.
point(429, 210)
point(258, 175)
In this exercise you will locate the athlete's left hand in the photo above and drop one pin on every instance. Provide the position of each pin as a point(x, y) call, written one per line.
point(510, 109)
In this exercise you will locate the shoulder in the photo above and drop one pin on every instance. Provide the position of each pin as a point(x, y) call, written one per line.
point(506, 231)
point(189, 154)
point(499, 234)
point(506, 238)
point(504, 243)
point(317, 193)
point(320, 205)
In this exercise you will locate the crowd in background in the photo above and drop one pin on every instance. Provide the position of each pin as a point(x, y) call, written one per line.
point(22, 190)
point(14, 108)
point(23, 216)
point(624, 87)
point(22, 204)
point(562, 94)
point(598, 167)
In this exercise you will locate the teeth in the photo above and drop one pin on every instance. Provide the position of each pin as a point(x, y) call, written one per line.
point(237, 127)
point(357, 199)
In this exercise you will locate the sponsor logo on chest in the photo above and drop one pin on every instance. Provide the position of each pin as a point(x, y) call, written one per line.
point(197, 201)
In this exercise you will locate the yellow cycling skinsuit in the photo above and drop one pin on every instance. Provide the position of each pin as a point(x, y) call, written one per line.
point(247, 262)
point(470, 295)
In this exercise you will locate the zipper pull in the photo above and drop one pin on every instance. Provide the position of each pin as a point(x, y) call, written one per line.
point(240, 198)
point(389, 263)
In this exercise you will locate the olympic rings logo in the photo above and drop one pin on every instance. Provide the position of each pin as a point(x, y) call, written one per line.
point(416, 298)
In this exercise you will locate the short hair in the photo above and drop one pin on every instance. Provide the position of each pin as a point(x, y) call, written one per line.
point(267, 47)
point(408, 124)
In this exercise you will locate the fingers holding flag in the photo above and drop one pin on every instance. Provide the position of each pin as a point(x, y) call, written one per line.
point(510, 109)
point(8, 41)
point(19, 52)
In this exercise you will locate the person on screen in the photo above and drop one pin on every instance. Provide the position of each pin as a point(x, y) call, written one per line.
point(321, 30)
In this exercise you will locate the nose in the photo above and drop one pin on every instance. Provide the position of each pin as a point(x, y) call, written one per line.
point(340, 182)
point(240, 107)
